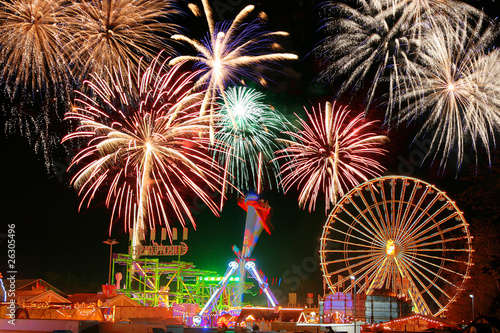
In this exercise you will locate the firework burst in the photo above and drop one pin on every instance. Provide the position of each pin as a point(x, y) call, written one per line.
point(246, 133)
point(370, 42)
point(228, 51)
point(142, 148)
point(31, 44)
point(33, 70)
point(453, 87)
point(330, 155)
point(118, 33)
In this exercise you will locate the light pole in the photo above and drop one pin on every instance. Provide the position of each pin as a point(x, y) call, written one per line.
point(472, 298)
point(110, 242)
point(353, 278)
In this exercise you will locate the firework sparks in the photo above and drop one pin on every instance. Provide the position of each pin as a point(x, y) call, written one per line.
point(33, 70)
point(142, 148)
point(31, 44)
point(379, 38)
point(246, 132)
point(228, 51)
point(118, 33)
point(330, 155)
point(456, 91)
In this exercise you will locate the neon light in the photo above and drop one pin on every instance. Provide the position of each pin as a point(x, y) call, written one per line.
point(233, 265)
point(252, 197)
point(251, 268)
point(4, 292)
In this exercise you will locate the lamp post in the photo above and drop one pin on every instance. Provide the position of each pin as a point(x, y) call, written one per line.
point(110, 242)
point(472, 298)
point(353, 278)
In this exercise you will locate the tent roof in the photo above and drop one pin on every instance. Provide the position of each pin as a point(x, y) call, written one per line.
point(38, 296)
point(400, 321)
point(118, 299)
point(488, 320)
point(31, 284)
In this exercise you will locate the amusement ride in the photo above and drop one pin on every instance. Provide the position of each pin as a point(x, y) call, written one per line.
point(402, 234)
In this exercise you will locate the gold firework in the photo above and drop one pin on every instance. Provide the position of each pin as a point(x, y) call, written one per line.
point(33, 35)
point(117, 33)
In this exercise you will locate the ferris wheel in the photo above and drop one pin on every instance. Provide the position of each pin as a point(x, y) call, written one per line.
point(398, 233)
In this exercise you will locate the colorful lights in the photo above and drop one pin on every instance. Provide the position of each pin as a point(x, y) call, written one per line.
point(251, 268)
point(219, 278)
point(3, 289)
point(390, 247)
point(232, 267)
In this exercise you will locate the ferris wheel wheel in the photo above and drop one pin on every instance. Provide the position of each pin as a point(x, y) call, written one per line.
point(402, 234)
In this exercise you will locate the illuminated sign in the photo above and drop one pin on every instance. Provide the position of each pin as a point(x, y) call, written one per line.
point(161, 250)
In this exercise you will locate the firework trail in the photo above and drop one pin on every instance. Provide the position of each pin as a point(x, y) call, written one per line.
point(452, 88)
point(330, 155)
point(246, 132)
point(228, 51)
point(142, 149)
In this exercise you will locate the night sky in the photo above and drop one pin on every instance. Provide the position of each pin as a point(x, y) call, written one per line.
point(56, 242)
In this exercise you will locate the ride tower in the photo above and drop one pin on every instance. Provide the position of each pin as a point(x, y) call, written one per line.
point(258, 211)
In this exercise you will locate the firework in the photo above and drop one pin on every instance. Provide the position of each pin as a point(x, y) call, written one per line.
point(330, 155)
point(31, 43)
point(148, 157)
point(456, 93)
point(369, 44)
point(33, 70)
point(246, 132)
point(228, 50)
point(117, 33)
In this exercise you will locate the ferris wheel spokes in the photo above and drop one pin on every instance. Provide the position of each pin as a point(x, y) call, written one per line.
point(415, 295)
point(441, 268)
point(361, 273)
point(401, 234)
point(375, 232)
point(381, 230)
point(425, 289)
point(368, 239)
point(367, 261)
point(431, 282)
point(355, 237)
point(374, 224)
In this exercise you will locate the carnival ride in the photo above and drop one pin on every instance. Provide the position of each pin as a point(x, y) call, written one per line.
point(257, 214)
point(183, 283)
point(154, 283)
point(398, 233)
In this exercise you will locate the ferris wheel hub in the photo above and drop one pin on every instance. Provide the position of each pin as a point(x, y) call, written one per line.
point(391, 248)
